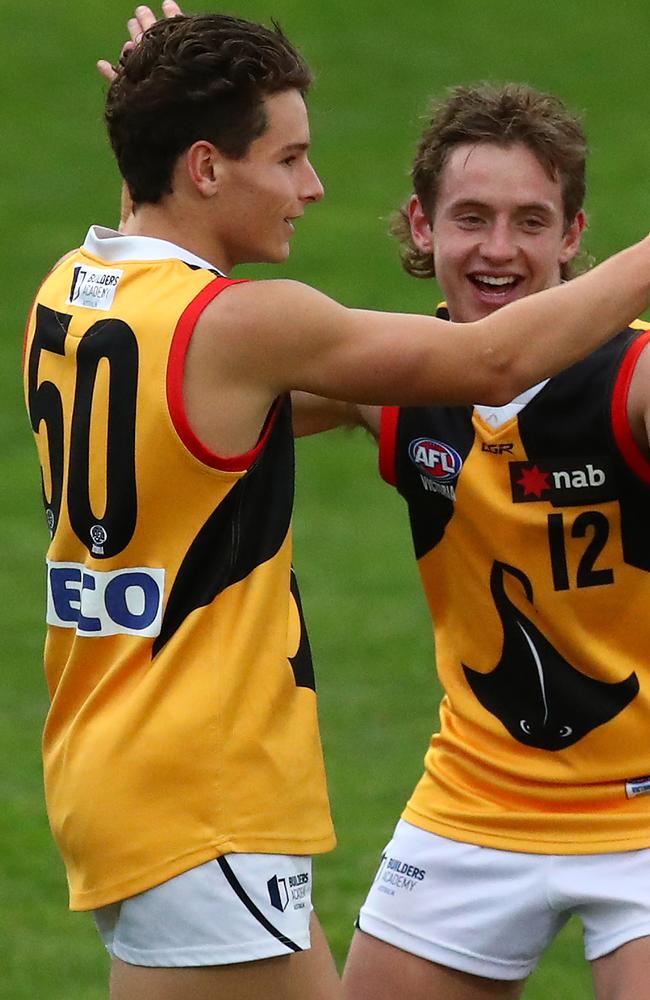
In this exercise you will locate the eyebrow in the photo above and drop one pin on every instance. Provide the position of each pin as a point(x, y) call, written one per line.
point(295, 147)
point(532, 206)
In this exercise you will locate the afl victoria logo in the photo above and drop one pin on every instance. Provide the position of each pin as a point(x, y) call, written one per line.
point(434, 459)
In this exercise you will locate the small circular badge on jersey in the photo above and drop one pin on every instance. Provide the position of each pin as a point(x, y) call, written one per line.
point(435, 459)
point(98, 534)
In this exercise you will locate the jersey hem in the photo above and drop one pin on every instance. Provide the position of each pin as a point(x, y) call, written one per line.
point(94, 899)
point(524, 845)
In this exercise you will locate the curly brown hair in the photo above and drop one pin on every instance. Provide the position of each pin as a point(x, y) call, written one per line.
point(195, 77)
point(503, 115)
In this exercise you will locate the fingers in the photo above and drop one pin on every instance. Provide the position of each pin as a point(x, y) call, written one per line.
point(142, 19)
point(106, 70)
point(171, 8)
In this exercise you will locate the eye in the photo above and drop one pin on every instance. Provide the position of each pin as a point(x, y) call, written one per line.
point(533, 225)
point(565, 731)
point(469, 221)
point(525, 726)
point(289, 160)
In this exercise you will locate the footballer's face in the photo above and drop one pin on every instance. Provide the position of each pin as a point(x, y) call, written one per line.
point(261, 195)
point(498, 230)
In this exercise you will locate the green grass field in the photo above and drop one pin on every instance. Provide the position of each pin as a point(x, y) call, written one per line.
point(377, 64)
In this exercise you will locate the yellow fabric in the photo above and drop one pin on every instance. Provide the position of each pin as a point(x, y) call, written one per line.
point(480, 784)
point(154, 765)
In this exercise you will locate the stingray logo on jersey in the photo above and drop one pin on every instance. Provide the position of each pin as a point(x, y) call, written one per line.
point(294, 889)
point(93, 287)
point(396, 874)
point(98, 603)
point(566, 483)
point(438, 463)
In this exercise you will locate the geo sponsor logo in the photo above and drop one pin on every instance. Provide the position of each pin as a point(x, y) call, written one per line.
point(562, 483)
point(637, 786)
point(100, 603)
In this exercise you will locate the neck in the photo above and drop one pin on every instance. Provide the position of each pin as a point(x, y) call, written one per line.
point(162, 222)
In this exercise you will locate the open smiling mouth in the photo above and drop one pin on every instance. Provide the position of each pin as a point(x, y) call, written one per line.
point(495, 284)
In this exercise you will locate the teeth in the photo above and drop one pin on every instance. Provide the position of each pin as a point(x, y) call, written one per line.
point(493, 279)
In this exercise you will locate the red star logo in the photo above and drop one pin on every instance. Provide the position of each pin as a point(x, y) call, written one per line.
point(533, 482)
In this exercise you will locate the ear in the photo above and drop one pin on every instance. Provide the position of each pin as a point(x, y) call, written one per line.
point(420, 225)
point(572, 237)
point(204, 167)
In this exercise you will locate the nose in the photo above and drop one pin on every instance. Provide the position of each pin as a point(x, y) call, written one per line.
point(498, 244)
point(313, 189)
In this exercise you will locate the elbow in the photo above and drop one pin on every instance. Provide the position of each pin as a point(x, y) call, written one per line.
point(501, 380)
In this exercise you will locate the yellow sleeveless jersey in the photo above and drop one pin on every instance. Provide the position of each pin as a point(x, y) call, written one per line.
point(534, 551)
point(183, 717)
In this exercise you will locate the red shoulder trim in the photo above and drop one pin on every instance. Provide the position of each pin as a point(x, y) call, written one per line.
point(623, 436)
point(387, 444)
point(175, 370)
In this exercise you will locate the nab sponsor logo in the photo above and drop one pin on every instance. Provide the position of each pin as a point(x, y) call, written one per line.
point(438, 464)
point(562, 484)
point(287, 889)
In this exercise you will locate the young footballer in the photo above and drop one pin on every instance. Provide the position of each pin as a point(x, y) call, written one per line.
point(183, 769)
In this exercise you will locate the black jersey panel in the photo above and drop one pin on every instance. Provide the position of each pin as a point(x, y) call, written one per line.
point(567, 428)
point(244, 531)
point(432, 445)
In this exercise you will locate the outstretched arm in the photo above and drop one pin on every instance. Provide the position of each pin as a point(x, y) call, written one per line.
point(378, 358)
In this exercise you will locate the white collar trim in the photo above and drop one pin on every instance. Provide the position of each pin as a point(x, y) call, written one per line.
point(496, 416)
point(112, 247)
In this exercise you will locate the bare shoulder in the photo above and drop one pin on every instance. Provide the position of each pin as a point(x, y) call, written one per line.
point(257, 331)
point(264, 304)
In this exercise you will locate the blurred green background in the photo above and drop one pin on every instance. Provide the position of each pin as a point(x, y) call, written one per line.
point(377, 64)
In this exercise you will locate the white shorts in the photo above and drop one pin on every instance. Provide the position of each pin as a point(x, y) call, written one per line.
point(492, 913)
point(237, 908)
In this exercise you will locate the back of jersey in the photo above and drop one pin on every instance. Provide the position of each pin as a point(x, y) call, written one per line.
point(183, 719)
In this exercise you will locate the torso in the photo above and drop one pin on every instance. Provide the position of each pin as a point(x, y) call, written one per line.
point(534, 555)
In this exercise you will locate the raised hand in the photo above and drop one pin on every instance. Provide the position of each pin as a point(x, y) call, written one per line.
point(142, 19)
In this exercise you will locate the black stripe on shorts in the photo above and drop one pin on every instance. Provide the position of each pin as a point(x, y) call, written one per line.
point(252, 908)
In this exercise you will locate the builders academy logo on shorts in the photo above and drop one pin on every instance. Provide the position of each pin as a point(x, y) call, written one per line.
point(289, 890)
point(396, 875)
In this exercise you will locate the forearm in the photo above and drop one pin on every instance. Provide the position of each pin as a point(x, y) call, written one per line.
point(562, 324)
point(314, 414)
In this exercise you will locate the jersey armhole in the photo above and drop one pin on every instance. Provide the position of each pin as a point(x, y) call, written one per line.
point(175, 371)
point(623, 435)
point(387, 444)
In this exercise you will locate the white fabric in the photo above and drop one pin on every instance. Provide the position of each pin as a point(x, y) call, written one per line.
point(112, 246)
point(492, 913)
point(198, 918)
point(497, 416)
